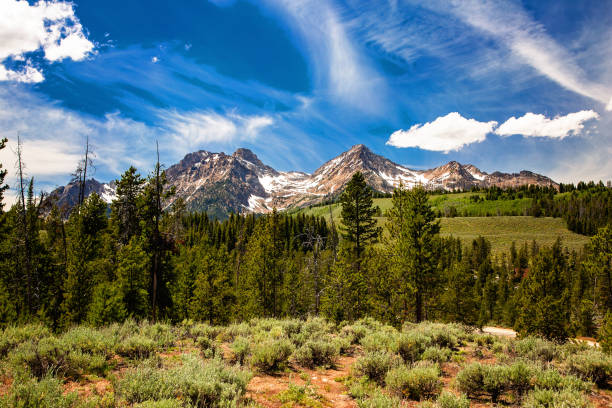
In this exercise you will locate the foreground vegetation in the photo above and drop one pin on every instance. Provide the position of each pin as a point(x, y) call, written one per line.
point(199, 365)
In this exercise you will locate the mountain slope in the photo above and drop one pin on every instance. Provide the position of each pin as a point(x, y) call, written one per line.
point(219, 183)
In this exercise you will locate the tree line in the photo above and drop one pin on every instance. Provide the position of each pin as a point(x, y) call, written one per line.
point(149, 262)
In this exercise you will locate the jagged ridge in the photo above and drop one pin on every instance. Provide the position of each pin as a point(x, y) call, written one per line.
point(219, 183)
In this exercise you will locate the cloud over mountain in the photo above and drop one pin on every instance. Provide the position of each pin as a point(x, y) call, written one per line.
point(446, 133)
point(537, 125)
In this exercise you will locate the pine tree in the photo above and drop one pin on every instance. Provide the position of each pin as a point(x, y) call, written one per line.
point(543, 298)
point(358, 223)
point(413, 230)
point(125, 215)
point(133, 278)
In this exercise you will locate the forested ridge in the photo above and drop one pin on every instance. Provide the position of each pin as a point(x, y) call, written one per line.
point(148, 262)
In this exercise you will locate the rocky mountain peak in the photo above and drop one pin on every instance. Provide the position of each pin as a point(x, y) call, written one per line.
point(219, 183)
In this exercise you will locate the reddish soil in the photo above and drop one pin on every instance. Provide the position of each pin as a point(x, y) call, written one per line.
point(88, 388)
point(264, 388)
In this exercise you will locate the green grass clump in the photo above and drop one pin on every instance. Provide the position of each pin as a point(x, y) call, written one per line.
point(414, 383)
point(376, 364)
point(302, 395)
point(535, 348)
point(567, 398)
point(477, 379)
point(165, 403)
point(591, 365)
point(208, 347)
point(316, 353)
point(199, 383)
point(436, 354)
point(44, 393)
point(136, 347)
point(53, 356)
point(379, 399)
point(271, 355)
point(450, 400)
point(553, 380)
point(241, 348)
point(410, 346)
point(11, 337)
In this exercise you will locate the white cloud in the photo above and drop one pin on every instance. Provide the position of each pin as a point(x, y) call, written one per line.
point(27, 74)
point(50, 26)
point(537, 125)
point(446, 133)
point(609, 106)
point(193, 129)
point(53, 139)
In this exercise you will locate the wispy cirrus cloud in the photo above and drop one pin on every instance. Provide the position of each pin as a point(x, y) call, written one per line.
point(193, 129)
point(340, 68)
point(50, 26)
point(508, 23)
point(538, 125)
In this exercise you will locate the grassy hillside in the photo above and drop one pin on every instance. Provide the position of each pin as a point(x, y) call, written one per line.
point(460, 201)
point(294, 363)
point(499, 230)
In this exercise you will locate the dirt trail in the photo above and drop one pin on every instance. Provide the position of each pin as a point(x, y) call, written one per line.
point(264, 389)
point(505, 332)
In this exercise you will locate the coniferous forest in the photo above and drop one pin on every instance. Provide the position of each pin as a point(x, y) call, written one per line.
point(141, 261)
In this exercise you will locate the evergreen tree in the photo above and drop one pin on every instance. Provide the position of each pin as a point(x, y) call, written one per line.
point(358, 223)
point(133, 278)
point(543, 296)
point(125, 215)
point(413, 231)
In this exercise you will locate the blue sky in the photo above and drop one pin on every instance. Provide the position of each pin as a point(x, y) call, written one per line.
point(504, 85)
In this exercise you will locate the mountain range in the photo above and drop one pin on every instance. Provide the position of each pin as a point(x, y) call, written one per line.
point(219, 183)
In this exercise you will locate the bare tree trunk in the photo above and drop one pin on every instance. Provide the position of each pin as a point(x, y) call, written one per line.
point(25, 231)
point(156, 238)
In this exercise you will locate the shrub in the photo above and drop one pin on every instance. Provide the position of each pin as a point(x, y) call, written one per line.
point(553, 380)
point(201, 383)
point(162, 334)
point(542, 398)
point(535, 348)
point(520, 376)
point(203, 330)
point(379, 341)
point(46, 393)
point(414, 383)
point(476, 379)
point(91, 341)
point(450, 400)
point(55, 356)
point(208, 347)
point(165, 403)
point(436, 354)
point(271, 355)
point(315, 353)
point(375, 365)
point(11, 337)
point(240, 349)
point(301, 395)
point(591, 365)
point(379, 399)
point(136, 346)
point(410, 346)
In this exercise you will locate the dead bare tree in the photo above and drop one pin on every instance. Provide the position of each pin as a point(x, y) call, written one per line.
point(80, 174)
